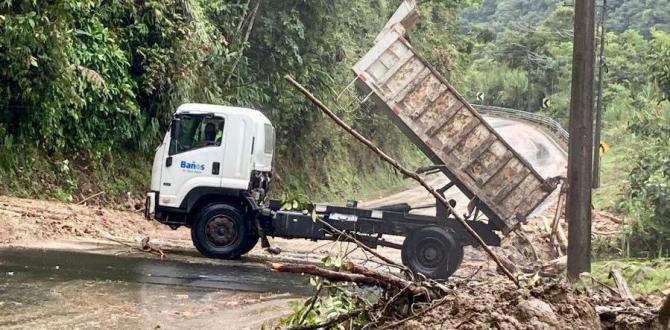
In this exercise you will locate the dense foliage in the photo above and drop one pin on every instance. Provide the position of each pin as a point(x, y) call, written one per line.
point(499, 15)
point(532, 62)
point(85, 84)
point(649, 192)
point(528, 46)
point(649, 198)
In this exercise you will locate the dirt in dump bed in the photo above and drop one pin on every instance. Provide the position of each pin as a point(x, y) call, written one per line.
point(25, 220)
point(486, 305)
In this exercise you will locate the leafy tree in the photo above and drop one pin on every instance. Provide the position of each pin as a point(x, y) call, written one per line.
point(92, 80)
point(501, 15)
point(649, 196)
point(659, 57)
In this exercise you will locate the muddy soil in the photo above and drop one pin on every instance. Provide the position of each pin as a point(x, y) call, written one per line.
point(499, 305)
point(24, 221)
point(27, 301)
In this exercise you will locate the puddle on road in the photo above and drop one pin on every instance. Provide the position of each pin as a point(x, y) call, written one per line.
point(57, 289)
point(55, 265)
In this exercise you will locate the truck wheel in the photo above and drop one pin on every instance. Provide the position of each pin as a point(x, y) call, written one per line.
point(432, 251)
point(220, 231)
point(252, 241)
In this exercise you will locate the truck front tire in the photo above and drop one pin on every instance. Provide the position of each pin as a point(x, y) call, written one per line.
point(221, 231)
point(432, 251)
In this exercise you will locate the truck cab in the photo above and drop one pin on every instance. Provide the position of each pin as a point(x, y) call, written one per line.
point(211, 154)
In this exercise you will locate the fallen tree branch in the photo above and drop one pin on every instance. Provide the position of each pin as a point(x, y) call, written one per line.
point(90, 197)
point(364, 247)
point(330, 322)
point(523, 236)
point(611, 217)
point(331, 275)
point(311, 303)
point(405, 172)
point(557, 237)
point(621, 285)
point(604, 285)
point(146, 246)
point(554, 267)
point(390, 280)
point(605, 233)
point(358, 274)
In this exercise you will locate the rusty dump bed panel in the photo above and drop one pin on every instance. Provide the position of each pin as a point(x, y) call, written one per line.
point(446, 127)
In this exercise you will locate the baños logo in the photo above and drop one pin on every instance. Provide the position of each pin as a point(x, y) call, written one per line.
point(192, 166)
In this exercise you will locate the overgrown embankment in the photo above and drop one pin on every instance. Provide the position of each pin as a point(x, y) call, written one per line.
point(87, 88)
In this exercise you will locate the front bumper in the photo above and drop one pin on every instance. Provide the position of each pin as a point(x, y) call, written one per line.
point(150, 206)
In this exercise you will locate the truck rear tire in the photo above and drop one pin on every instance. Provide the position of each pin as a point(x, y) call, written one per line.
point(432, 251)
point(221, 231)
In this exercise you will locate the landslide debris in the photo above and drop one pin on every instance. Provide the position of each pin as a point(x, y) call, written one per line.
point(28, 220)
point(487, 305)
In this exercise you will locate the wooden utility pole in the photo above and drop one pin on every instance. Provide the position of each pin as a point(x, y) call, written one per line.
point(599, 102)
point(580, 153)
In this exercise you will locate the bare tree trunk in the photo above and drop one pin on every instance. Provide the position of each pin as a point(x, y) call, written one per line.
point(246, 38)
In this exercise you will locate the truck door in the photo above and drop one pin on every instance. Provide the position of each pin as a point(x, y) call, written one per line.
point(194, 159)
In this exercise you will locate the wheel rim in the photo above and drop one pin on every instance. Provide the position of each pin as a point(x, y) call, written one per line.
point(221, 230)
point(430, 253)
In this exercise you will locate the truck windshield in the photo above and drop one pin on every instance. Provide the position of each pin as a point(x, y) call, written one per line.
point(198, 131)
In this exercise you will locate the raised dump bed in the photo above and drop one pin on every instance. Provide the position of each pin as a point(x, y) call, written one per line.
point(501, 183)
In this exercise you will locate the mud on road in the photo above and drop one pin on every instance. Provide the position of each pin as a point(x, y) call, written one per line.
point(74, 289)
point(47, 288)
point(61, 266)
point(105, 284)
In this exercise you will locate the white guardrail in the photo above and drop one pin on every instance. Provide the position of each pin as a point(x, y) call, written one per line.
point(552, 125)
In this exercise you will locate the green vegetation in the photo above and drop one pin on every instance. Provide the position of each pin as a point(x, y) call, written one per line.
point(528, 44)
point(335, 300)
point(649, 192)
point(643, 276)
point(86, 85)
point(641, 16)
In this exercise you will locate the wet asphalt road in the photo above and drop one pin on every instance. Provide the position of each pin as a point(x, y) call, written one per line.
point(57, 289)
point(60, 266)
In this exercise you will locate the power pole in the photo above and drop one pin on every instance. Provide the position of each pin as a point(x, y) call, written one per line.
point(580, 151)
point(599, 102)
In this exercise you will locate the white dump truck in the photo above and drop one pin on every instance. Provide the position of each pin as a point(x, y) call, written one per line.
point(213, 170)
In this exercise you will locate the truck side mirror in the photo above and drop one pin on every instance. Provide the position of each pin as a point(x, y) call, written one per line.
point(174, 133)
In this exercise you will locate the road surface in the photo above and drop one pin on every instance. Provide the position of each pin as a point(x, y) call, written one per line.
point(111, 286)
